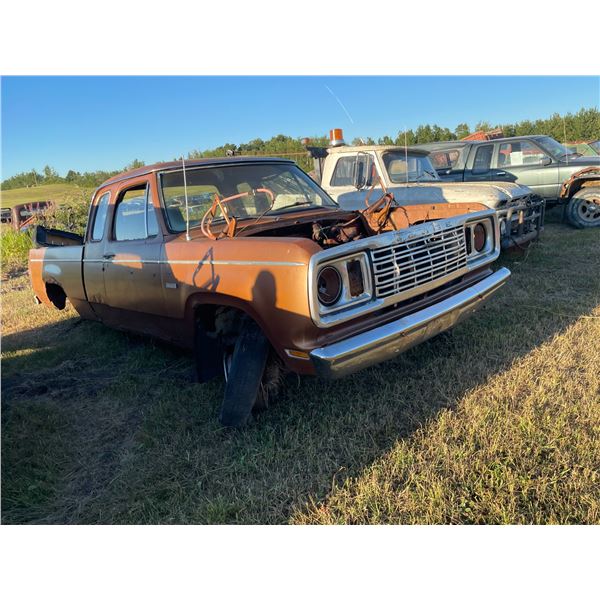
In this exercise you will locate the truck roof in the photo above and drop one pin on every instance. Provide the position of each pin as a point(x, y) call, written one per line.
point(195, 162)
point(461, 143)
point(372, 148)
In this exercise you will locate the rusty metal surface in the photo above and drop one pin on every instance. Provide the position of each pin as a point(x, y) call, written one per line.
point(24, 215)
point(579, 179)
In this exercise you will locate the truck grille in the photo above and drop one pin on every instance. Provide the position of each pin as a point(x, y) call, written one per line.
point(411, 264)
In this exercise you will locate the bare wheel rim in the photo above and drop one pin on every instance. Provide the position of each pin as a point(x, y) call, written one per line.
point(588, 211)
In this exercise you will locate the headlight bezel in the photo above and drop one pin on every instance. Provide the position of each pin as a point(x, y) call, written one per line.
point(345, 301)
point(491, 248)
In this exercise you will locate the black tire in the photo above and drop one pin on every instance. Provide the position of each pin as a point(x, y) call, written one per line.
point(245, 374)
point(581, 211)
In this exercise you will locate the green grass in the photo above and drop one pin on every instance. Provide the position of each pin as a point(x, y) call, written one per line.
point(496, 422)
point(53, 191)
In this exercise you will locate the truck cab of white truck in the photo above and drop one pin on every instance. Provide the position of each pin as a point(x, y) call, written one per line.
point(353, 175)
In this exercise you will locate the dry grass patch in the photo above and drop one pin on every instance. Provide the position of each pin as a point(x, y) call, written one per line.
point(522, 448)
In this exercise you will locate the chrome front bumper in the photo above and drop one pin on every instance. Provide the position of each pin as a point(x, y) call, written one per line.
point(382, 343)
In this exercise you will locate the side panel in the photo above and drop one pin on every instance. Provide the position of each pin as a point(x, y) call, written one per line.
point(63, 267)
point(266, 277)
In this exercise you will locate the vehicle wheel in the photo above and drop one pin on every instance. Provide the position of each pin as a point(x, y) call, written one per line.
point(582, 211)
point(244, 367)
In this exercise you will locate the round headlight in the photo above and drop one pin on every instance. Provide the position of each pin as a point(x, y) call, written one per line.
point(329, 286)
point(479, 237)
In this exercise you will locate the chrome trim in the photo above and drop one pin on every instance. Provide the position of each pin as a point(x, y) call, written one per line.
point(233, 262)
point(52, 260)
point(385, 342)
point(176, 262)
point(385, 240)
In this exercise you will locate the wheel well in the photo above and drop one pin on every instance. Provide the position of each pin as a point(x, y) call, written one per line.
point(216, 328)
point(56, 295)
point(583, 185)
point(220, 320)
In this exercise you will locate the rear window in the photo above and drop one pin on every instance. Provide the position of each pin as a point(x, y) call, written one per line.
point(444, 159)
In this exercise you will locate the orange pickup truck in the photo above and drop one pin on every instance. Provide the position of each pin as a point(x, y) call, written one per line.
point(248, 262)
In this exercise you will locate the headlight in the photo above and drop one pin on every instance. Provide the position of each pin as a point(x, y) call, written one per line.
point(329, 286)
point(479, 237)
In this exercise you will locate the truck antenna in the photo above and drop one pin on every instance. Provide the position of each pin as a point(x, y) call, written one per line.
point(565, 139)
point(406, 153)
point(187, 208)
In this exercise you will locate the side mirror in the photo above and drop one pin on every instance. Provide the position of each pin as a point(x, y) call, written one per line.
point(363, 166)
point(545, 161)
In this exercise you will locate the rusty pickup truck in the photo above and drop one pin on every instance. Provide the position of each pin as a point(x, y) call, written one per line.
point(248, 262)
point(23, 216)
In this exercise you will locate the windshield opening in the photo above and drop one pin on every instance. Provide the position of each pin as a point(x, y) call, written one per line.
point(554, 148)
point(401, 167)
point(269, 188)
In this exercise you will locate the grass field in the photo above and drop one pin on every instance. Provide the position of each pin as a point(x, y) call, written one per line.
point(53, 191)
point(495, 422)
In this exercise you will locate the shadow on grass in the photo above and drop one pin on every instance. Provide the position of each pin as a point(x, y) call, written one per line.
point(135, 441)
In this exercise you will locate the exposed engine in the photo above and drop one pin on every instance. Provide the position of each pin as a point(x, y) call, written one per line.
point(384, 215)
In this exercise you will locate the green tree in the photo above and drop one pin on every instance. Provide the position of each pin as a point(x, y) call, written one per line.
point(461, 131)
point(50, 175)
point(483, 126)
point(134, 164)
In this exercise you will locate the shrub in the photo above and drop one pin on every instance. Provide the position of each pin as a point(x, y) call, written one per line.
point(70, 215)
point(14, 246)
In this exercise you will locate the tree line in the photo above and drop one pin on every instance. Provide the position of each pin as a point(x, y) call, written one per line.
point(582, 125)
point(88, 179)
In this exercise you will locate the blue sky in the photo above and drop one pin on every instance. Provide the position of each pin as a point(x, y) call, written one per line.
point(90, 123)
